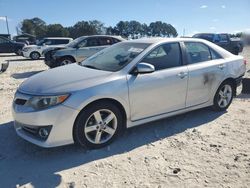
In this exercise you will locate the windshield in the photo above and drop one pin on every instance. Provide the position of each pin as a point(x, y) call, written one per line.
point(115, 57)
point(74, 42)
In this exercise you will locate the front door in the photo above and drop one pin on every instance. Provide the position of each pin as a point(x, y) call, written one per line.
point(163, 90)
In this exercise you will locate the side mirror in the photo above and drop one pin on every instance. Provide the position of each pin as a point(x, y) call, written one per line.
point(144, 68)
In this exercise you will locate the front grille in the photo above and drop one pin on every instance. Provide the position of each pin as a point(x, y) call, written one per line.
point(20, 101)
point(30, 130)
point(48, 56)
point(34, 131)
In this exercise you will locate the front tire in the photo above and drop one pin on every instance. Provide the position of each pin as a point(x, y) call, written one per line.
point(66, 61)
point(224, 96)
point(35, 55)
point(98, 125)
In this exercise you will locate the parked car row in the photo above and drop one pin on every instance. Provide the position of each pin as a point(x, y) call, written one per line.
point(78, 50)
point(130, 83)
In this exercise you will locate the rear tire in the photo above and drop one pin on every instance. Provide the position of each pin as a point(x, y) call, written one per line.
point(35, 55)
point(224, 96)
point(98, 125)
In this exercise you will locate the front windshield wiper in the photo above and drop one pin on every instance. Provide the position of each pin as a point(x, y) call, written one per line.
point(91, 66)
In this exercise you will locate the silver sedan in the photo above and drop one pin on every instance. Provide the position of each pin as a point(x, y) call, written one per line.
point(127, 84)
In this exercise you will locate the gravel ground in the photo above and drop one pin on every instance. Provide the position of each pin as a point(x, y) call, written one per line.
point(198, 149)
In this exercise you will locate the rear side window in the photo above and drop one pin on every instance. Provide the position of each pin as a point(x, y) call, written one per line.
point(61, 41)
point(165, 56)
point(115, 40)
point(215, 55)
point(103, 41)
point(197, 52)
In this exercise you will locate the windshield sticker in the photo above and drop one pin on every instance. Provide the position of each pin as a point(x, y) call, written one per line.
point(135, 50)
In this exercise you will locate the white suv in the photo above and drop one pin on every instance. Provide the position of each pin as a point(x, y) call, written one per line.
point(35, 51)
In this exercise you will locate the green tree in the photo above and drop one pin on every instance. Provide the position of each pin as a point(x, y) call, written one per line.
point(56, 30)
point(34, 26)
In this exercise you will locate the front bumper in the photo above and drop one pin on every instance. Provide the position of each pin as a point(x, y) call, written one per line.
point(60, 119)
point(26, 54)
point(50, 61)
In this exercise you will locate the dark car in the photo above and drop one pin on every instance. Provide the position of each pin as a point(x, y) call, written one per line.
point(78, 50)
point(234, 46)
point(9, 46)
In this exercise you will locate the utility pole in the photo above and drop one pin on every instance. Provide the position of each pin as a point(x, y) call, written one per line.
point(7, 24)
point(183, 32)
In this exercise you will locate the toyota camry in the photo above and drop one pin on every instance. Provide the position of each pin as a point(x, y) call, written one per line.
point(127, 84)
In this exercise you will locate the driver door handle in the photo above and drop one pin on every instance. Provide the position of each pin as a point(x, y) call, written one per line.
point(221, 66)
point(182, 74)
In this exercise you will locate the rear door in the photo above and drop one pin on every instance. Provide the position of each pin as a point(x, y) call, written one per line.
point(206, 70)
point(162, 91)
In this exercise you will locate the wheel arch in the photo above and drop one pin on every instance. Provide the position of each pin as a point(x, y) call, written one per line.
point(110, 100)
point(231, 80)
point(68, 56)
point(35, 52)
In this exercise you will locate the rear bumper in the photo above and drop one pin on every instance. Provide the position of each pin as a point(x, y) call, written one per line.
point(238, 80)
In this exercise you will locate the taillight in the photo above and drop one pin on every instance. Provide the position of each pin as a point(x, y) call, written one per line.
point(245, 62)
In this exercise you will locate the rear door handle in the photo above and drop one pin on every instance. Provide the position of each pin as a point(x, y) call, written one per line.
point(222, 66)
point(182, 75)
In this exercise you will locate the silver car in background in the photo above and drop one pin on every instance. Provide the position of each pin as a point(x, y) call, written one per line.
point(127, 84)
point(79, 49)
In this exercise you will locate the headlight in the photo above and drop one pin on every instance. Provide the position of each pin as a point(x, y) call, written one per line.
point(42, 102)
point(25, 49)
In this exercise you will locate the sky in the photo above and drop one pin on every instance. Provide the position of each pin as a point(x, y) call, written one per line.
point(187, 16)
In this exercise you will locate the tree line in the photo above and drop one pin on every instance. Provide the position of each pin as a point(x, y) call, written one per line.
point(133, 29)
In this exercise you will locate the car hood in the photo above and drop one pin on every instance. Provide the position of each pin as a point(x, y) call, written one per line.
point(64, 79)
point(30, 46)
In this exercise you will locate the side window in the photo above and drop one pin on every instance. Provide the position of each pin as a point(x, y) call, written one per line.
point(115, 40)
point(223, 38)
point(2, 41)
point(215, 55)
point(165, 56)
point(62, 41)
point(48, 42)
point(82, 44)
point(92, 42)
point(216, 38)
point(197, 52)
point(103, 41)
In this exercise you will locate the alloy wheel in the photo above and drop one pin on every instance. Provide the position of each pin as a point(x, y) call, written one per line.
point(66, 62)
point(100, 126)
point(225, 96)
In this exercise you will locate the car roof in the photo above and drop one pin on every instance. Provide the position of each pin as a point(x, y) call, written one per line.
point(161, 39)
point(58, 38)
point(113, 36)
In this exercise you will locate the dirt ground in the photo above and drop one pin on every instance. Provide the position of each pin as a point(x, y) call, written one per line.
point(198, 149)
